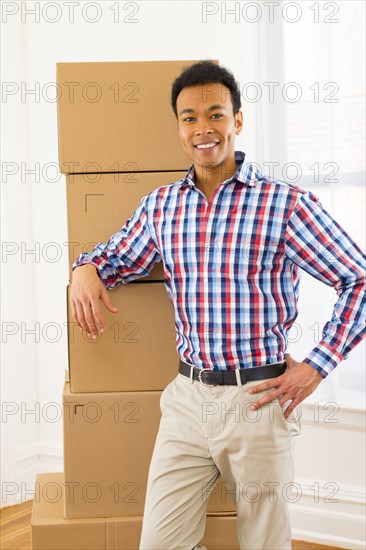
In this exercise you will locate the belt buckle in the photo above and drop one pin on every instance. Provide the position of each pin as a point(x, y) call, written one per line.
point(200, 379)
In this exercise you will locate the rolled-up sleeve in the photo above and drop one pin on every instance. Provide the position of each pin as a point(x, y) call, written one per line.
point(128, 255)
point(320, 246)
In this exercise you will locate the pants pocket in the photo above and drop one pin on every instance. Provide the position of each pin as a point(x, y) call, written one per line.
point(293, 422)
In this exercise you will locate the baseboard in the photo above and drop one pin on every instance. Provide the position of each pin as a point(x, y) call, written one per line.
point(339, 522)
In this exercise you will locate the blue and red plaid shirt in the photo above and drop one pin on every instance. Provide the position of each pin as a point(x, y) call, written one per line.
point(231, 267)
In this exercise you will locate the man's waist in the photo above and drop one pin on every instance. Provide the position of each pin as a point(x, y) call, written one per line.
point(237, 376)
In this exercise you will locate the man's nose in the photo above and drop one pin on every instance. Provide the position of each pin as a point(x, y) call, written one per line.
point(203, 128)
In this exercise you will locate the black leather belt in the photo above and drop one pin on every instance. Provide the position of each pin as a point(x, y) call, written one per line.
point(210, 377)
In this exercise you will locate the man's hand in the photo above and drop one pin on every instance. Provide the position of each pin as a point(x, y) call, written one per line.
point(85, 292)
point(295, 384)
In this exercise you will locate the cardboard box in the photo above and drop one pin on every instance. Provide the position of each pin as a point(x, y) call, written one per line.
point(136, 352)
point(108, 443)
point(117, 117)
point(50, 531)
point(98, 206)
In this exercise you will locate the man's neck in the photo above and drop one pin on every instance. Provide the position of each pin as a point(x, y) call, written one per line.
point(209, 177)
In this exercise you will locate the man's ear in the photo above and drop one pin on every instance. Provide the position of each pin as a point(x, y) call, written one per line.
point(239, 123)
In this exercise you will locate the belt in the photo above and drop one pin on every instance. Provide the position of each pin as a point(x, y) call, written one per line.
point(236, 377)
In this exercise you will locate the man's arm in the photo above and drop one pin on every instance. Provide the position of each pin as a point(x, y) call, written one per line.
point(129, 254)
point(319, 245)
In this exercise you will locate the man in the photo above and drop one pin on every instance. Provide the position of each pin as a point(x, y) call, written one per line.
point(231, 241)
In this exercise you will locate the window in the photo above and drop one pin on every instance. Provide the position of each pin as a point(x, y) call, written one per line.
point(312, 129)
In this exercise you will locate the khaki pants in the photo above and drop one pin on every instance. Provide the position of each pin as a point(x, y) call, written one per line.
point(206, 431)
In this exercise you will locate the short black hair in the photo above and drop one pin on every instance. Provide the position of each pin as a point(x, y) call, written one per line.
point(206, 72)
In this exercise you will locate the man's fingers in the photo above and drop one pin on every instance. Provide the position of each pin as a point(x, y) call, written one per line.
point(283, 398)
point(295, 384)
point(107, 302)
point(99, 321)
point(87, 313)
point(92, 328)
point(80, 317)
point(289, 409)
point(266, 399)
point(267, 385)
point(73, 312)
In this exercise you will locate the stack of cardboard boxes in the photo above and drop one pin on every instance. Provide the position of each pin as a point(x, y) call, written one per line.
point(118, 141)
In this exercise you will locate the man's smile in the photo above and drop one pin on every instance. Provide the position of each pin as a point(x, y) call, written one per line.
point(207, 145)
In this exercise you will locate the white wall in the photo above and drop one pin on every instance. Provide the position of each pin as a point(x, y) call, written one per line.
point(34, 207)
point(34, 215)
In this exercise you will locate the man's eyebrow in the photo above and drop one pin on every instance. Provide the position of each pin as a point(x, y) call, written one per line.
point(216, 106)
point(211, 108)
point(186, 111)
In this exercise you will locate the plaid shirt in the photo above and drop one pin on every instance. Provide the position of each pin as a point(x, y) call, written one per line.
point(231, 267)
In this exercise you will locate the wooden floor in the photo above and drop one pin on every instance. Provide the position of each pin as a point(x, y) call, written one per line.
point(16, 533)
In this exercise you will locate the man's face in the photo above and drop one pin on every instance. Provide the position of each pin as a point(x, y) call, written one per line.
point(206, 123)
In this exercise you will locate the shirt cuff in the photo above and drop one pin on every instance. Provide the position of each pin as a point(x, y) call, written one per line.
point(323, 359)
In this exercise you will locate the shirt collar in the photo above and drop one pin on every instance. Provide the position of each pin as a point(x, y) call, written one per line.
point(246, 173)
